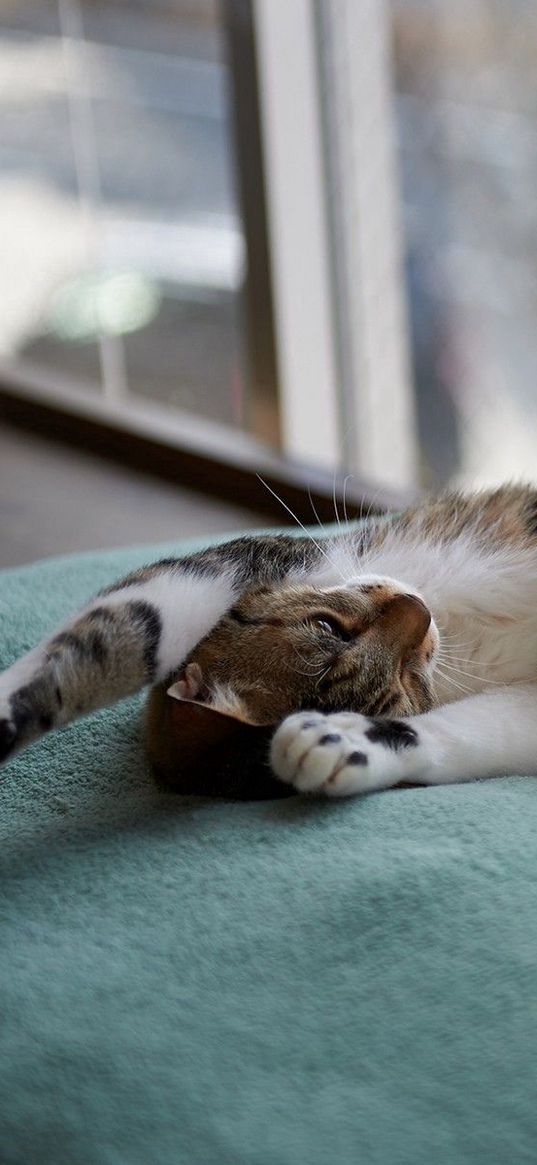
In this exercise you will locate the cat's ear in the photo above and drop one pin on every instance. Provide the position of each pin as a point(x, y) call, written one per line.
point(216, 702)
point(219, 699)
point(189, 686)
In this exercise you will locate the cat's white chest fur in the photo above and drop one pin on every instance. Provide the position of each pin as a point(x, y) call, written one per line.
point(484, 603)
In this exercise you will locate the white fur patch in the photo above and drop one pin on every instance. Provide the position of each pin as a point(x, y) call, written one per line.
point(223, 698)
point(483, 601)
point(189, 606)
point(19, 674)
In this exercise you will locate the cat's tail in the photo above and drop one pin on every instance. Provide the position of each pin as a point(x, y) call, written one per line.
point(135, 633)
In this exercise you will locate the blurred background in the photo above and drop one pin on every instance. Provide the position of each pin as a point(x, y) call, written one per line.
point(294, 238)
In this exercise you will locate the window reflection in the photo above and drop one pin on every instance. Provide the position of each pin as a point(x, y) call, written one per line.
point(124, 260)
point(467, 116)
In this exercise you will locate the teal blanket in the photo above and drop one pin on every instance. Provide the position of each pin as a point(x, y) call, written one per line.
point(186, 982)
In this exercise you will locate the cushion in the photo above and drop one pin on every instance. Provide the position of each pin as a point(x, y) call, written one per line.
point(294, 982)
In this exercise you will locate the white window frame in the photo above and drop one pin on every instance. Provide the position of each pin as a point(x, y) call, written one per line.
point(341, 330)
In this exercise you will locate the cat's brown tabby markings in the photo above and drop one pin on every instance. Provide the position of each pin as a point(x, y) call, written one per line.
point(429, 616)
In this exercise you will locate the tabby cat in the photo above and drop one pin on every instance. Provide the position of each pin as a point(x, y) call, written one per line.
point(403, 649)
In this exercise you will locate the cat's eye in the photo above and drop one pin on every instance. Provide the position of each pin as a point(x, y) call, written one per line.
point(328, 625)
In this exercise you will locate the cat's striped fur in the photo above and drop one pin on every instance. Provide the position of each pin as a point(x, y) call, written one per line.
point(471, 560)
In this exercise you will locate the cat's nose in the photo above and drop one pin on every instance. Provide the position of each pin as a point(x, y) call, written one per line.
point(404, 622)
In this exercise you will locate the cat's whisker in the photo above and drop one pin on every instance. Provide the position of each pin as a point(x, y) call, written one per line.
point(336, 511)
point(441, 664)
point(459, 671)
point(480, 679)
point(471, 659)
point(454, 663)
point(505, 662)
point(344, 503)
point(440, 675)
point(372, 501)
point(302, 527)
point(348, 478)
point(460, 659)
point(448, 661)
point(473, 676)
point(448, 680)
point(315, 671)
point(307, 671)
point(466, 666)
point(443, 657)
point(312, 672)
point(449, 640)
point(312, 504)
point(447, 646)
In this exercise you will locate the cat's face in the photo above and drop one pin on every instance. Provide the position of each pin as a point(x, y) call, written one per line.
point(368, 647)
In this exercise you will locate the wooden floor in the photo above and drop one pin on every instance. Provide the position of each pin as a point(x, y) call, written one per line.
point(55, 500)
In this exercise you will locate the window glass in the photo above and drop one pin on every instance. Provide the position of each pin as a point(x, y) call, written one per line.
point(124, 260)
point(466, 102)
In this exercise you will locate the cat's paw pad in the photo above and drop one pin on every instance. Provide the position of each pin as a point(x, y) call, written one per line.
point(343, 753)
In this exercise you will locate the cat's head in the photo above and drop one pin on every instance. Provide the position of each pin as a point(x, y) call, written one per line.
point(369, 647)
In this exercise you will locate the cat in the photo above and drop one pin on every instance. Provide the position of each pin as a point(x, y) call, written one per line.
point(402, 649)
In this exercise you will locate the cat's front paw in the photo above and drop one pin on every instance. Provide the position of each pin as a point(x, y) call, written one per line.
point(342, 753)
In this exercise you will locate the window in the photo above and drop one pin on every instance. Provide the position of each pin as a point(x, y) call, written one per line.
point(124, 256)
point(310, 223)
point(467, 118)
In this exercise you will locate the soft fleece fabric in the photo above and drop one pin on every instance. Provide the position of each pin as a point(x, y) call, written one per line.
point(186, 982)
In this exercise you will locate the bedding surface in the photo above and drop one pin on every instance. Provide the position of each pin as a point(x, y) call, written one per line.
point(276, 983)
